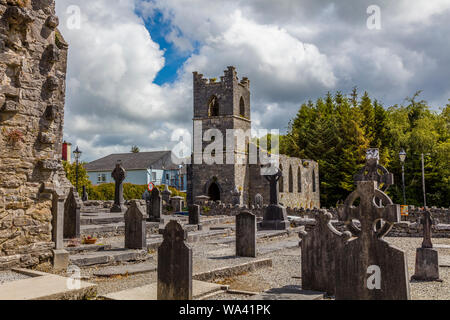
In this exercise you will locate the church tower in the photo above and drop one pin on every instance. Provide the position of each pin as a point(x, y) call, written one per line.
point(221, 105)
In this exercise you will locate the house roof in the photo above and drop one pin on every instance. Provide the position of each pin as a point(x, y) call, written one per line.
point(134, 161)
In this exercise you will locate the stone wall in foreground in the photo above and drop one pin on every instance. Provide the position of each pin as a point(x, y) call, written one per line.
point(33, 58)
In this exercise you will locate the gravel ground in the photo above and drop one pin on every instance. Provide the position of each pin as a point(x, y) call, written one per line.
point(286, 270)
point(10, 276)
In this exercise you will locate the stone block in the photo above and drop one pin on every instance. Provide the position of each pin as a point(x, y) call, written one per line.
point(60, 260)
point(427, 265)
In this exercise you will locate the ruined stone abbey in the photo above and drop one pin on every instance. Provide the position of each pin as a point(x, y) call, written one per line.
point(224, 105)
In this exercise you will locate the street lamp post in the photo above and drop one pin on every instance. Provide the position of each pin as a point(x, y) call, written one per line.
point(402, 156)
point(77, 154)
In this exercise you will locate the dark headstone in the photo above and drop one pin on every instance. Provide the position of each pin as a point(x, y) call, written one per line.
point(156, 206)
point(174, 265)
point(275, 215)
point(135, 229)
point(85, 196)
point(194, 214)
point(246, 234)
point(427, 258)
point(118, 175)
point(72, 208)
point(369, 267)
point(321, 248)
point(147, 197)
point(177, 203)
point(166, 194)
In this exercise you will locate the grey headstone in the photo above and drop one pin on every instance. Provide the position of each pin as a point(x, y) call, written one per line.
point(369, 258)
point(174, 265)
point(194, 214)
point(135, 228)
point(156, 206)
point(321, 248)
point(177, 203)
point(58, 201)
point(259, 201)
point(72, 208)
point(246, 235)
point(166, 194)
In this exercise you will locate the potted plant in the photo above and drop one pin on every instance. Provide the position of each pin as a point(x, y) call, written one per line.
point(89, 240)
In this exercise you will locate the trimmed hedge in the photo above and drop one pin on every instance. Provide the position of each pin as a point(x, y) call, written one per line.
point(130, 191)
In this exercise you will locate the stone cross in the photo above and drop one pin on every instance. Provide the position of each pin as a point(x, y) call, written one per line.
point(427, 258)
point(135, 227)
point(72, 209)
point(156, 206)
point(274, 188)
point(174, 265)
point(194, 214)
point(373, 171)
point(119, 175)
point(369, 268)
point(85, 196)
point(427, 222)
point(246, 235)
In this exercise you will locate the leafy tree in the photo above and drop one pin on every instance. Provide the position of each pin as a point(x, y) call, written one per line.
point(135, 149)
point(83, 178)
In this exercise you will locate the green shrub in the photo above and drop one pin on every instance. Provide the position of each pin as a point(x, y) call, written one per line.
point(130, 191)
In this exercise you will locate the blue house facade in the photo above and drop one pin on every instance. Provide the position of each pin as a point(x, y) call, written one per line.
point(142, 168)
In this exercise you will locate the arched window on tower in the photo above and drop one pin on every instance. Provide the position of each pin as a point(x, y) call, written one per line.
point(281, 181)
point(242, 108)
point(314, 181)
point(213, 107)
point(299, 179)
point(291, 180)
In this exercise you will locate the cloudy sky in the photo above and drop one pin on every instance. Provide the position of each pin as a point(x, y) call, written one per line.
point(130, 67)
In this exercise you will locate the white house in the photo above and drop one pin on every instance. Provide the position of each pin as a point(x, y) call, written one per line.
point(142, 168)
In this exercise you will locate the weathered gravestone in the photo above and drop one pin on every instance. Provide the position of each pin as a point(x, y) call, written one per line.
point(156, 206)
point(177, 203)
point(72, 209)
point(275, 216)
point(321, 248)
point(259, 201)
point(166, 194)
point(135, 228)
point(427, 258)
point(236, 197)
point(369, 267)
point(194, 214)
point(246, 234)
point(119, 175)
point(85, 196)
point(146, 196)
point(174, 265)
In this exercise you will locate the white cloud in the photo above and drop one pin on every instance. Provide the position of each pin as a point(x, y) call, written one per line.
point(291, 50)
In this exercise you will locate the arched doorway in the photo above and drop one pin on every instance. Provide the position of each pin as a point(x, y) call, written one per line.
point(214, 192)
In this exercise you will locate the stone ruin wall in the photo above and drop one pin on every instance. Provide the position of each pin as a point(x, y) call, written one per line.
point(33, 59)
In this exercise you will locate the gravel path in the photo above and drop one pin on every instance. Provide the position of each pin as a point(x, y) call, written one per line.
point(10, 276)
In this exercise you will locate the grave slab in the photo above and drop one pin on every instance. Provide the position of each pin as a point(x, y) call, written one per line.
point(126, 269)
point(149, 292)
point(106, 257)
point(444, 261)
point(289, 293)
point(43, 286)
